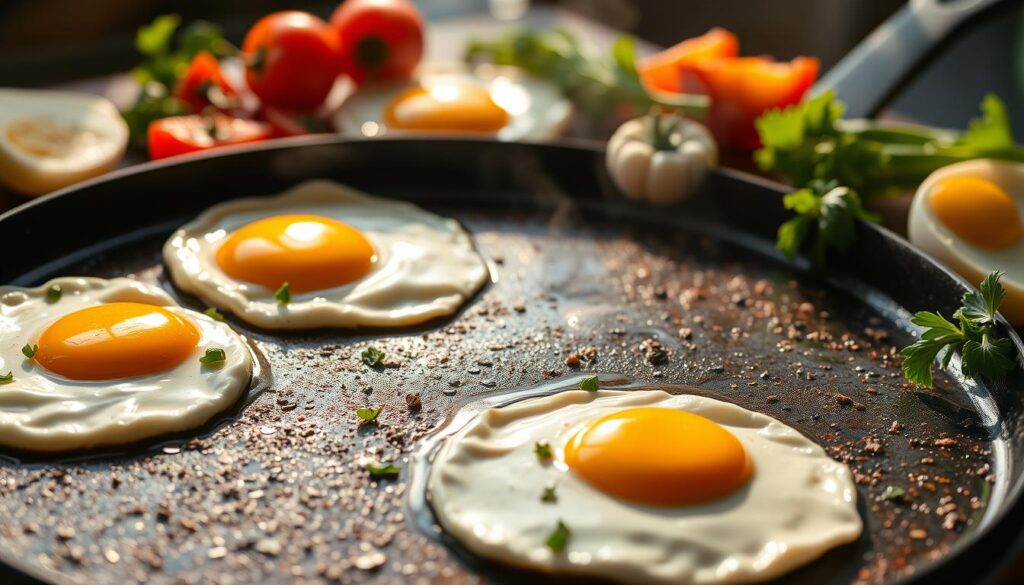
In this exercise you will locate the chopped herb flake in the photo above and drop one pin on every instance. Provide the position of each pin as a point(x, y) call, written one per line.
point(369, 414)
point(894, 493)
point(30, 350)
point(543, 450)
point(549, 495)
point(7, 378)
point(590, 384)
point(214, 355)
point(213, 314)
point(54, 293)
point(283, 294)
point(383, 470)
point(373, 357)
point(558, 539)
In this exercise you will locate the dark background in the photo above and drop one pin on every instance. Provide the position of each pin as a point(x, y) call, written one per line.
point(45, 42)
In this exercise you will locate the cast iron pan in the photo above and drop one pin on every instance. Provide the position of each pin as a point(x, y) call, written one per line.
point(690, 297)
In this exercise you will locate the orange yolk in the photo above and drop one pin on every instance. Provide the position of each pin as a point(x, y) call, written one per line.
point(659, 457)
point(978, 211)
point(446, 107)
point(116, 340)
point(308, 252)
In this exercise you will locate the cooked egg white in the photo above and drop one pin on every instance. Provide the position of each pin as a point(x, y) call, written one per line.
point(968, 217)
point(51, 139)
point(652, 487)
point(349, 260)
point(500, 101)
point(115, 361)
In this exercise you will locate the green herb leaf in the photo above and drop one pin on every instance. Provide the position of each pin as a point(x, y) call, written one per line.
point(558, 539)
point(383, 470)
point(543, 450)
point(548, 496)
point(53, 293)
point(7, 378)
point(214, 355)
point(213, 314)
point(590, 383)
point(155, 38)
point(369, 414)
point(992, 130)
point(894, 493)
point(283, 294)
point(30, 350)
point(982, 352)
point(981, 306)
point(372, 357)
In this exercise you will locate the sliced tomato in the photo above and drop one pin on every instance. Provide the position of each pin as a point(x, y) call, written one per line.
point(292, 123)
point(663, 71)
point(201, 78)
point(742, 89)
point(187, 134)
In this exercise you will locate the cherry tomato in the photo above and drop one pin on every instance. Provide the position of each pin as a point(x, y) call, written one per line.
point(185, 134)
point(198, 84)
point(664, 71)
point(292, 59)
point(742, 89)
point(293, 123)
point(380, 39)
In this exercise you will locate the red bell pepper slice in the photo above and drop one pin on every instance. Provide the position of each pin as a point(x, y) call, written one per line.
point(186, 134)
point(663, 71)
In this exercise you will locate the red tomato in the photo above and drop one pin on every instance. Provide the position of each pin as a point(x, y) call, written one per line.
point(291, 123)
point(380, 39)
point(203, 74)
point(292, 59)
point(185, 134)
point(663, 71)
point(742, 89)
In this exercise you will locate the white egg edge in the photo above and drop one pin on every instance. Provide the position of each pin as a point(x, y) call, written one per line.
point(314, 309)
point(227, 382)
point(36, 176)
point(577, 562)
point(558, 116)
point(929, 234)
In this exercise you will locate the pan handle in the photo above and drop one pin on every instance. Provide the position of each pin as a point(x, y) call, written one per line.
point(868, 74)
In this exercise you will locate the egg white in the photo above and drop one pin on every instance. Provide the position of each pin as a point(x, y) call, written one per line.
point(537, 111)
point(100, 144)
point(426, 265)
point(485, 485)
point(43, 411)
point(926, 231)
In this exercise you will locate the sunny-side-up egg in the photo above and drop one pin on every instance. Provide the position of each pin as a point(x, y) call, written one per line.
point(968, 217)
point(51, 139)
point(88, 362)
point(641, 486)
point(499, 101)
point(325, 255)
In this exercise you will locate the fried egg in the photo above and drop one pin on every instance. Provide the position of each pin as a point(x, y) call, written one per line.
point(968, 217)
point(325, 255)
point(88, 362)
point(641, 486)
point(51, 139)
point(499, 101)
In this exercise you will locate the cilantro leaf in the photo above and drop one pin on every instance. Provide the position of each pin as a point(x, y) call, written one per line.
point(369, 414)
point(372, 357)
point(992, 130)
point(283, 295)
point(558, 538)
point(542, 449)
point(155, 37)
point(383, 470)
point(981, 306)
point(29, 351)
point(214, 355)
point(982, 352)
point(590, 383)
point(6, 378)
point(548, 496)
point(827, 212)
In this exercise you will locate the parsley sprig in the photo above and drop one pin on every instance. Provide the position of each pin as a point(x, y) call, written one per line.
point(982, 351)
point(837, 164)
point(383, 470)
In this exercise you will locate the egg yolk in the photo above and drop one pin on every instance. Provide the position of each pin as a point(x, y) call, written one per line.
point(446, 107)
point(308, 252)
point(116, 340)
point(659, 457)
point(978, 211)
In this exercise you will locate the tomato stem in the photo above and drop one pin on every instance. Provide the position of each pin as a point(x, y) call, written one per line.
point(372, 52)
